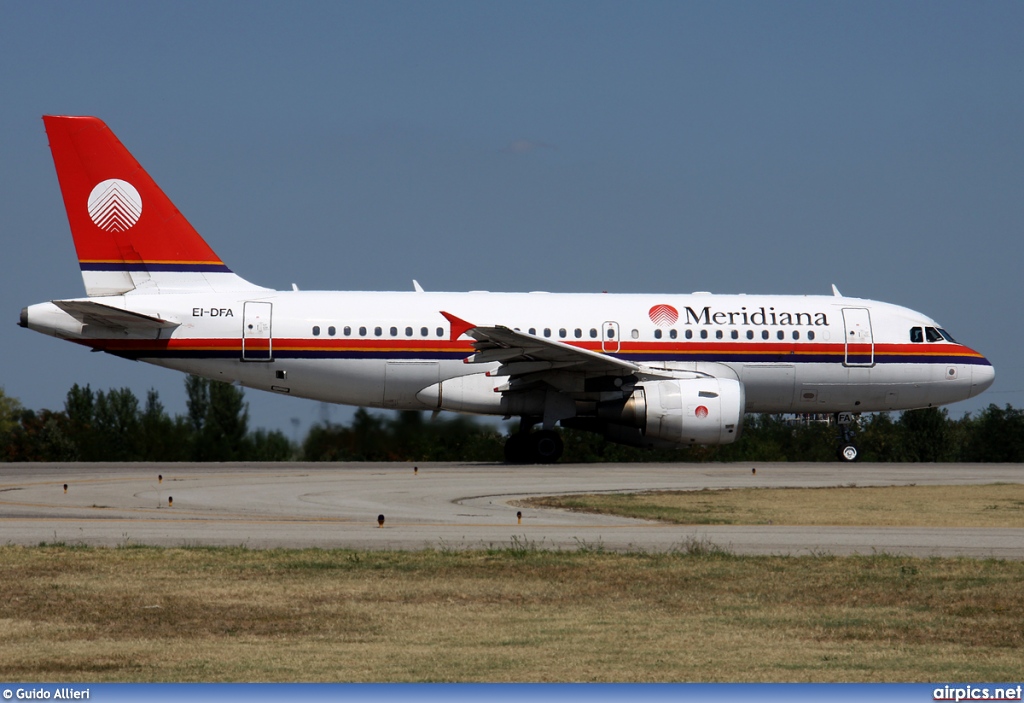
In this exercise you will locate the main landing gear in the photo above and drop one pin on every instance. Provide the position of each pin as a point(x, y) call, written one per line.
point(526, 447)
point(848, 451)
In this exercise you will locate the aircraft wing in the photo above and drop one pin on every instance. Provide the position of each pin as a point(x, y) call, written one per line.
point(522, 354)
point(92, 313)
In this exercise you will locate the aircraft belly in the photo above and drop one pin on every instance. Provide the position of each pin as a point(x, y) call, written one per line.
point(768, 387)
point(832, 388)
point(346, 381)
point(404, 379)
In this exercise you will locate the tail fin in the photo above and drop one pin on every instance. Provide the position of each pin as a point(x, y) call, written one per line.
point(127, 232)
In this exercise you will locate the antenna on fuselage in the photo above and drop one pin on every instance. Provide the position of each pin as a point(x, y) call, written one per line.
point(416, 286)
point(835, 291)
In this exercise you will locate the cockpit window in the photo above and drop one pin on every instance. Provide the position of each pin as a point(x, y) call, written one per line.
point(947, 336)
point(932, 334)
point(916, 335)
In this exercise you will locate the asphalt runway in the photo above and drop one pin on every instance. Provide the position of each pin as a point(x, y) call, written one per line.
point(451, 506)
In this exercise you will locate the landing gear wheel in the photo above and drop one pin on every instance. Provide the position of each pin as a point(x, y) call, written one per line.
point(547, 447)
point(517, 448)
point(544, 447)
point(848, 453)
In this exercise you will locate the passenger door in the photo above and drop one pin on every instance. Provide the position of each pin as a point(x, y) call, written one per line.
point(860, 345)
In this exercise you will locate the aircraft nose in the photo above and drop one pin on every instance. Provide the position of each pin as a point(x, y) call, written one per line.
point(982, 377)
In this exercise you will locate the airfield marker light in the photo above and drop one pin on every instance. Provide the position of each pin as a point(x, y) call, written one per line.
point(170, 501)
point(519, 516)
point(415, 471)
point(65, 488)
point(380, 520)
point(159, 478)
point(753, 471)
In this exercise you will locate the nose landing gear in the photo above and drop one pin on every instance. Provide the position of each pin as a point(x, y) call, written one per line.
point(848, 450)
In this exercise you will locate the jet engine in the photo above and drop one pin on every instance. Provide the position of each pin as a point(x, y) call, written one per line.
point(688, 411)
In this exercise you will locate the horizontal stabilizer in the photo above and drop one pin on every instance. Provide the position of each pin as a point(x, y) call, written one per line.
point(93, 313)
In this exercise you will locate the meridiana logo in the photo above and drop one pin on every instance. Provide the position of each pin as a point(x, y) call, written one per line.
point(663, 315)
point(115, 205)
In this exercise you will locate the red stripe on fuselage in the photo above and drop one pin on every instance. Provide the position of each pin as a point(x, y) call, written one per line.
point(405, 347)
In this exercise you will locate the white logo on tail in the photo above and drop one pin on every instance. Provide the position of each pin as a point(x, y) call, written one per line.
point(115, 205)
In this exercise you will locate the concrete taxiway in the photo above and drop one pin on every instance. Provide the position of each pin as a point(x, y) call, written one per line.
point(451, 506)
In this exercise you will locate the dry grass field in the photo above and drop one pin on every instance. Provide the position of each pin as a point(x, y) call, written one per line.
point(993, 505)
point(519, 614)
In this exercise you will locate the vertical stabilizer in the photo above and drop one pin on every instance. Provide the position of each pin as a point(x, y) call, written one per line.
point(128, 234)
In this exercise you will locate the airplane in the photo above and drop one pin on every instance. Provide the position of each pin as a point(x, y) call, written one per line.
point(639, 369)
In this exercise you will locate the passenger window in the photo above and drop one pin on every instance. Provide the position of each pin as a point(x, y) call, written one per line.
point(689, 334)
point(440, 331)
point(780, 334)
point(408, 331)
point(547, 331)
point(593, 333)
point(578, 333)
point(657, 334)
point(562, 332)
point(673, 334)
point(424, 331)
point(348, 331)
point(394, 331)
point(916, 335)
point(719, 334)
point(378, 331)
point(611, 333)
point(533, 330)
point(703, 334)
point(316, 330)
point(362, 331)
point(331, 331)
point(796, 334)
point(636, 334)
point(932, 334)
point(735, 334)
point(810, 335)
point(764, 334)
point(750, 334)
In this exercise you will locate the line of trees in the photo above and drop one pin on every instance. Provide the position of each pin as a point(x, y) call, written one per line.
point(929, 435)
point(115, 426)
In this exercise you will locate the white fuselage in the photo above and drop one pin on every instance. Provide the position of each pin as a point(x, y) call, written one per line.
point(803, 354)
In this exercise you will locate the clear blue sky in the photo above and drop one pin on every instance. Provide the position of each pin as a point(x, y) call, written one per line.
point(755, 147)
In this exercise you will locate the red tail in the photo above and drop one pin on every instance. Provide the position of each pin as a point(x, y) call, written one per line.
point(127, 232)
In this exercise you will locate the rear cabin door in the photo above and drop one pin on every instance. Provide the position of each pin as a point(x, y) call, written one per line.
point(860, 345)
point(257, 343)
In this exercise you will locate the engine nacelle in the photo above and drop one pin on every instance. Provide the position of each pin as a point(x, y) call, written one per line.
point(691, 411)
point(476, 393)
